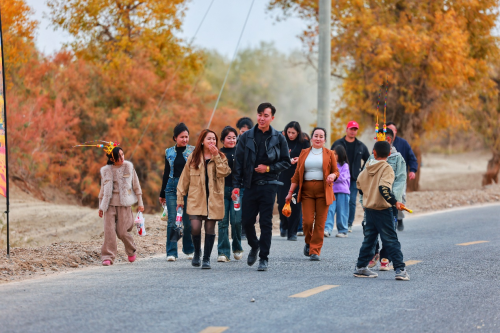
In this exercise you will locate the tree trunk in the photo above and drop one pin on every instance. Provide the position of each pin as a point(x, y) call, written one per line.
point(492, 170)
point(413, 185)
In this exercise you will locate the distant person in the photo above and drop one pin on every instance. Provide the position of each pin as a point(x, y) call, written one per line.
point(398, 165)
point(356, 151)
point(375, 183)
point(296, 143)
point(120, 189)
point(231, 216)
point(316, 171)
point(340, 207)
point(175, 160)
point(403, 147)
point(202, 181)
point(244, 124)
point(261, 155)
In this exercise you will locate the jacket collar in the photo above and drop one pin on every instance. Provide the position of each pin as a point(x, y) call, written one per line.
point(253, 131)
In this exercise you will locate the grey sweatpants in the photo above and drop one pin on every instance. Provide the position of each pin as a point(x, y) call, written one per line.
point(118, 221)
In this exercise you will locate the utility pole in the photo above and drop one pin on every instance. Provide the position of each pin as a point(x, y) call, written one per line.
point(324, 67)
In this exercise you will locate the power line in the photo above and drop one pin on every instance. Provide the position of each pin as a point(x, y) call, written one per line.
point(171, 80)
point(231, 64)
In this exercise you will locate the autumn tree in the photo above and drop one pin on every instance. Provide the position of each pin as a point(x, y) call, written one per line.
point(435, 55)
point(18, 30)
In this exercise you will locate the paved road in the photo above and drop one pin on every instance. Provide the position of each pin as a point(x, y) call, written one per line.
point(453, 289)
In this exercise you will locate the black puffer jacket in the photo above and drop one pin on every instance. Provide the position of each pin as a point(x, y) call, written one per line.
point(246, 153)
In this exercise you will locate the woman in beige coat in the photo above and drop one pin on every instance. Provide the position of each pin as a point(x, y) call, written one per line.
point(202, 180)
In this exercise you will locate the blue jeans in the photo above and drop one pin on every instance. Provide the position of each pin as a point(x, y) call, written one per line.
point(171, 196)
point(233, 217)
point(380, 222)
point(352, 202)
point(340, 207)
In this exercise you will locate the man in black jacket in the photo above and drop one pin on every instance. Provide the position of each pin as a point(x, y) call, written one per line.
point(356, 151)
point(261, 154)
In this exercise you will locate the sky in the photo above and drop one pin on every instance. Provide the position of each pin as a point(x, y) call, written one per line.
point(220, 30)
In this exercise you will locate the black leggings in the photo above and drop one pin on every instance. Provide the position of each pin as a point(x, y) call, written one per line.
point(196, 227)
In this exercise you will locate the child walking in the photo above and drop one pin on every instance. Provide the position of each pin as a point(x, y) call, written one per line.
point(374, 184)
point(342, 193)
point(120, 189)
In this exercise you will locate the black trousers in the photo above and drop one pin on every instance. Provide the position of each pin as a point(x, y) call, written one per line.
point(259, 199)
point(290, 224)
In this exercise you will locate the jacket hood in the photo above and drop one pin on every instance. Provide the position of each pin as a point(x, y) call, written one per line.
point(374, 166)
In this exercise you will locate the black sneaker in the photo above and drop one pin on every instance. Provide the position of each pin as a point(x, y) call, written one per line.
point(315, 257)
point(283, 232)
point(364, 272)
point(252, 256)
point(401, 226)
point(306, 250)
point(262, 265)
point(292, 238)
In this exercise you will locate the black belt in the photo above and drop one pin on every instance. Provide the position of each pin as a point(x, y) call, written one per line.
point(268, 182)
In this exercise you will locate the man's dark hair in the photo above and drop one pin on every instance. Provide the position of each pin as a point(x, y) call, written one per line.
point(382, 148)
point(226, 131)
point(264, 106)
point(244, 122)
point(391, 123)
point(181, 127)
point(389, 133)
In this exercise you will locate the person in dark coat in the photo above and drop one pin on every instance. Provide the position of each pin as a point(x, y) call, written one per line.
point(403, 147)
point(296, 142)
point(356, 151)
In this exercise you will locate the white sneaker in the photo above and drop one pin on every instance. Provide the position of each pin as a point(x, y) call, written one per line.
point(350, 229)
point(190, 256)
point(327, 234)
point(222, 259)
point(300, 233)
point(238, 255)
point(341, 235)
point(171, 258)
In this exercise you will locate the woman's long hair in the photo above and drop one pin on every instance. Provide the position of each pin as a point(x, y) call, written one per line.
point(296, 126)
point(198, 150)
point(341, 155)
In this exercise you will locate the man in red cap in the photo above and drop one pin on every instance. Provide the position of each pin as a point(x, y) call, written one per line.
point(356, 151)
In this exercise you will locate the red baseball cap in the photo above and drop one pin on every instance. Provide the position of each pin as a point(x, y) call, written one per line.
point(352, 124)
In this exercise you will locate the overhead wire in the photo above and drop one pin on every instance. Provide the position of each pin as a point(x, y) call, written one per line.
point(231, 64)
point(170, 82)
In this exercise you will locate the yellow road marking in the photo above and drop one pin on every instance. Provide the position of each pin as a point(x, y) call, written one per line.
point(214, 329)
point(412, 262)
point(472, 243)
point(313, 291)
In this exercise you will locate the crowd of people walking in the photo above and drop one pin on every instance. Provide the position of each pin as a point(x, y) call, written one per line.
point(238, 184)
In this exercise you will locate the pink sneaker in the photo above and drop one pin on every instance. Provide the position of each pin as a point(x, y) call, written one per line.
point(106, 263)
point(132, 258)
point(384, 265)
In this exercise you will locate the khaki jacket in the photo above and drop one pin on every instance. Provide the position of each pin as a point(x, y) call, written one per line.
point(374, 175)
point(192, 184)
point(329, 167)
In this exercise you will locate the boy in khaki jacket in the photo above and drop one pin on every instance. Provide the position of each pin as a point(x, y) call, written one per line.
point(374, 184)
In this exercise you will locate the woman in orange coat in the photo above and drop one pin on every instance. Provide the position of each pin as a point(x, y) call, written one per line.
point(316, 171)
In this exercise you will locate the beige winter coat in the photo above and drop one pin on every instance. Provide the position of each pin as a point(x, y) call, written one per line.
point(128, 184)
point(192, 184)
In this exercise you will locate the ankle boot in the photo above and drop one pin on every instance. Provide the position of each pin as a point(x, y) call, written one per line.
point(209, 244)
point(196, 262)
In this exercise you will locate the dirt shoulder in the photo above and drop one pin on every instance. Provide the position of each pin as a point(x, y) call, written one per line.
point(39, 261)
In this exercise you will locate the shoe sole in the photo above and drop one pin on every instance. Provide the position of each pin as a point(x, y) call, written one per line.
point(261, 269)
point(315, 259)
point(206, 267)
point(364, 276)
point(194, 265)
point(384, 269)
point(402, 278)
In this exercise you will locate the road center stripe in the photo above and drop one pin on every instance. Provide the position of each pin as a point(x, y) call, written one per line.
point(472, 243)
point(412, 262)
point(214, 329)
point(314, 291)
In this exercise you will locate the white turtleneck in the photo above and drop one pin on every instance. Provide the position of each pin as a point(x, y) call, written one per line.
point(314, 165)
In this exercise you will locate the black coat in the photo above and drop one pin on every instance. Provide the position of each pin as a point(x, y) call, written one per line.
point(361, 153)
point(246, 154)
